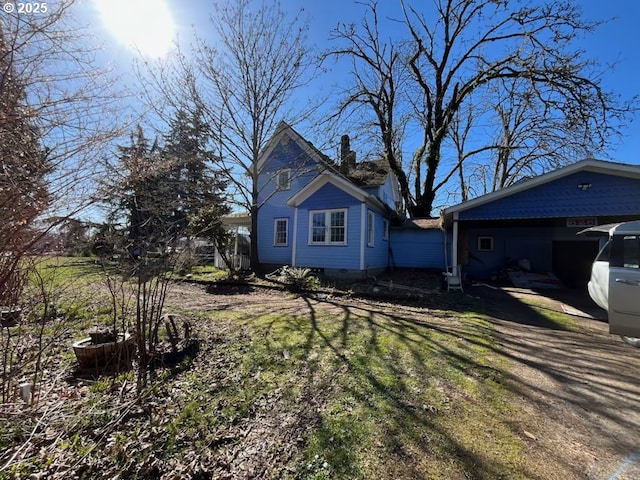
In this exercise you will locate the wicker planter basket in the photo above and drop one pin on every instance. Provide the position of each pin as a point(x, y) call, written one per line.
point(116, 354)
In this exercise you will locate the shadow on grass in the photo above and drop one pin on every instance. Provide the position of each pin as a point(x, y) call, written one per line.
point(401, 372)
point(390, 388)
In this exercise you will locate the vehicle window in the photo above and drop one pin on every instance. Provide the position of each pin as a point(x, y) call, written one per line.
point(605, 252)
point(631, 251)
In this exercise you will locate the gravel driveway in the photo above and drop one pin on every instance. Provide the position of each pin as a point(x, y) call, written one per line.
point(583, 384)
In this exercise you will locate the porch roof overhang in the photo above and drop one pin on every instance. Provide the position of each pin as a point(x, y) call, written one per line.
point(451, 215)
point(242, 219)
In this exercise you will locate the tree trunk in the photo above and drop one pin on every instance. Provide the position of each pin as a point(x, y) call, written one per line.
point(253, 235)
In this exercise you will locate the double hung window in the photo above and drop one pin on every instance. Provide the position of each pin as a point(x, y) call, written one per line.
point(280, 230)
point(371, 219)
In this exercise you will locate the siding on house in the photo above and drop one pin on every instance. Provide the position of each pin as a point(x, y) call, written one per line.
point(608, 195)
point(537, 220)
point(286, 154)
point(417, 248)
point(267, 251)
point(303, 170)
point(368, 192)
point(387, 193)
point(341, 257)
point(376, 256)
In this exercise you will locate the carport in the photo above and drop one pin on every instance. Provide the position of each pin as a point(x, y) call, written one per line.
point(534, 222)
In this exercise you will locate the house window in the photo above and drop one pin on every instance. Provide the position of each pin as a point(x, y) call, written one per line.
point(328, 227)
point(385, 229)
point(283, 179)
point(280, 230)
point(485, 244)
point(370, 228)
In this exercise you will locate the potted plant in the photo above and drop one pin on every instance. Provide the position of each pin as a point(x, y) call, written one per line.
point(105, 348)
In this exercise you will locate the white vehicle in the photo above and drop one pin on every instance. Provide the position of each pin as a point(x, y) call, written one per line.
point(615, 276)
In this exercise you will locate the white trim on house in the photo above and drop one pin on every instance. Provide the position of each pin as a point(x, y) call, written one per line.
point(283, 185)
point(371, 228)
point(454, 241)
point(589, 164)
point(294, 246)
point(363, 232)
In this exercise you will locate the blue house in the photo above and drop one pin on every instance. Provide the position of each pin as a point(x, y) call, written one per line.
point(537, 220)
point(342, 218)
point(316, 213)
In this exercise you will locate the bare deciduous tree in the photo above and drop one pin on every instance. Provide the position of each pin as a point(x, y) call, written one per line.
point(464, 47)
point(474, 44)
point(57, 112)
point(243, 85)
point(379, 75)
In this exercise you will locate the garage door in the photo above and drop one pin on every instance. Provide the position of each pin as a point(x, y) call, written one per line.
point(572, 261)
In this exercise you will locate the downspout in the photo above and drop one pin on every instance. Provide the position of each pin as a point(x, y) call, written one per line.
point(294, 245)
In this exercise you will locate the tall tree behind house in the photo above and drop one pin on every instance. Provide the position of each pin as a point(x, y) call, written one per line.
point(461, 51)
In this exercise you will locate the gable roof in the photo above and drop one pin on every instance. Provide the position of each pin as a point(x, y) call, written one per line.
point(362, 175)
point(283, 129)
point(338, 181)
point(589, 164)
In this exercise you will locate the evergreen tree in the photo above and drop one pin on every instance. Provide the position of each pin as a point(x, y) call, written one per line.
point(135, 195)
point(157, 190)
point(24, 193)
point(197, 189)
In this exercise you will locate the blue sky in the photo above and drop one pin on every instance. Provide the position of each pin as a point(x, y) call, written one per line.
point(616, 41)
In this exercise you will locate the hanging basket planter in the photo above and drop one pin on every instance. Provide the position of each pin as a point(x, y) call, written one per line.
point(104, 349)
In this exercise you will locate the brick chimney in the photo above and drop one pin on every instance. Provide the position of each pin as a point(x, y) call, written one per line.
point(347, 156)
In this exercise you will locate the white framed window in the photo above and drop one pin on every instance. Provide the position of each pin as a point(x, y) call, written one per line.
point(485, 244)
point(281, 232)
point(283, 179)
point(328, 227)
point(371, 223)
point(385, 229)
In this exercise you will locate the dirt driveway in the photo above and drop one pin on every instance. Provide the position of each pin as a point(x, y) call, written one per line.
point(580, 387)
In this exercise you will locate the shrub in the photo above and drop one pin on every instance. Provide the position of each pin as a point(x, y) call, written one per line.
point(296, 279)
